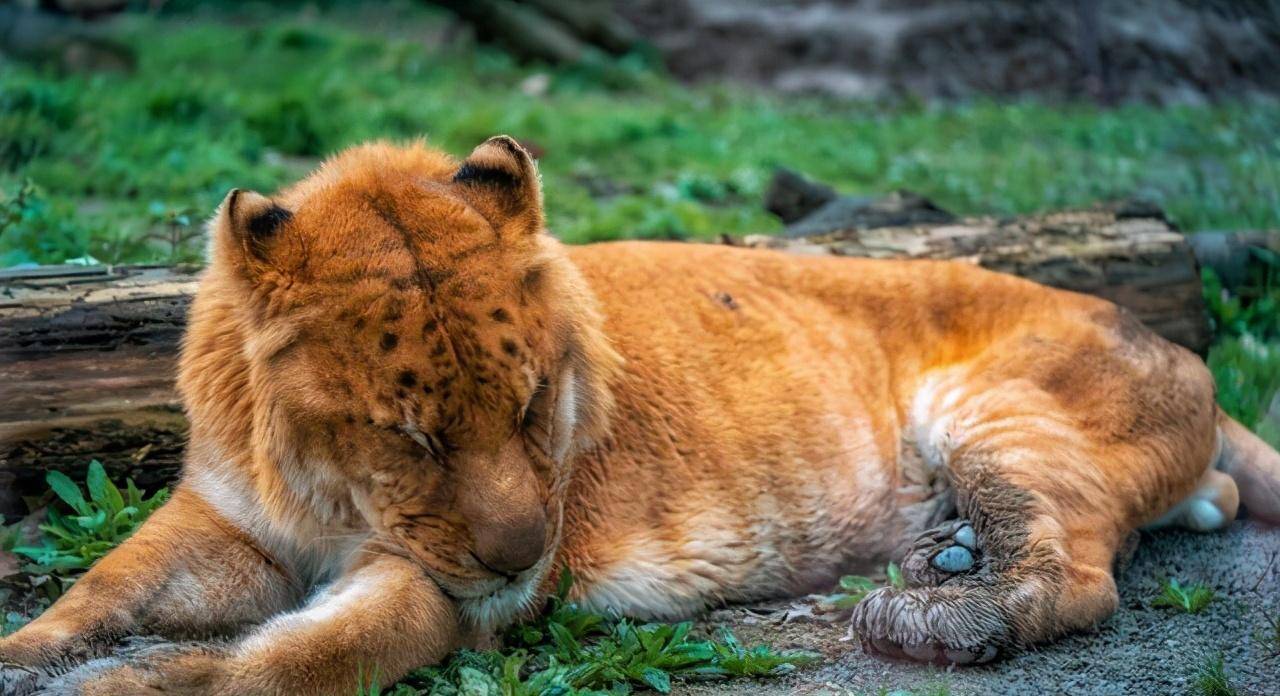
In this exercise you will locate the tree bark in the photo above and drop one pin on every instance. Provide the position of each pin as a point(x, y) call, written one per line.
point(88, 355)
point(519, 29)
point(87, 358)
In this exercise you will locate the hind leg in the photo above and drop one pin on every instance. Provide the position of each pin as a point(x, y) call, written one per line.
point(1035, 572)
point(1211, 507)
point(1044, 506)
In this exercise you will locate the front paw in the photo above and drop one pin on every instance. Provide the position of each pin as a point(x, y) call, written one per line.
point(147, 667)
point(939, 625)
point(29, 659)
point(17, 680)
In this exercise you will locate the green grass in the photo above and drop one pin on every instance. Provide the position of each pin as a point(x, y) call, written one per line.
point(854, 588)
point(123, 165)
point(571, 650)
point(1211, 679)
point(1245, 359)
point(1191, 598)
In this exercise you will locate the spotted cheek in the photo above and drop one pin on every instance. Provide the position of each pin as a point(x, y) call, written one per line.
point(440, 545)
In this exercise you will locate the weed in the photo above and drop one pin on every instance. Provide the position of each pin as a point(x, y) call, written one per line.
point(12, 622)
point(173, 227)
point(1245, 359)
point(35, 229)
point(1255, 308)
point(571, 650)
point(894, 574)
point(1211, 679)
point(855, 587)
point(372, 686)
point(1191, 599)
point(89, 528)
point(1271, 634)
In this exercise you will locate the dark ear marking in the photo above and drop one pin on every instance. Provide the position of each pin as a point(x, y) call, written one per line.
point(500, 180)
point(485, 176)
point(499, 161)
point(253, 220)
point(265, 223)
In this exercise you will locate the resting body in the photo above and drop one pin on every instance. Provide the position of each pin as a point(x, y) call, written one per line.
point(411, 407)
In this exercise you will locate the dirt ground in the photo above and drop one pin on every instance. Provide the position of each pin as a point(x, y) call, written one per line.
point(1140, 650)
point(1160, 51)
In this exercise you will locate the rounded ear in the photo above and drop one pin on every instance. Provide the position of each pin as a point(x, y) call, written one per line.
point(246, 228)
point(500, 180)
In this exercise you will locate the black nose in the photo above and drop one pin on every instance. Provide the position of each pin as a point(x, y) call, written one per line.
point(511, 548)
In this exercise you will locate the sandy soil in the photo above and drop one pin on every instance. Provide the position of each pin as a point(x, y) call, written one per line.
point(1140, 650)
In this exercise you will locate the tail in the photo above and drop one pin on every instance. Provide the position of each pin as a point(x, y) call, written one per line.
point(1254, 466)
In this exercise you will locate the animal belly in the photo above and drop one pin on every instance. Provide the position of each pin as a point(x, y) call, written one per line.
point(791, 532)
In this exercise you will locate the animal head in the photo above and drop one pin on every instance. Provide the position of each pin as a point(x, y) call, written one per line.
point(408, 351)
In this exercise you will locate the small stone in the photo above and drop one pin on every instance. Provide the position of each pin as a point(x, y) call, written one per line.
point(954, 559)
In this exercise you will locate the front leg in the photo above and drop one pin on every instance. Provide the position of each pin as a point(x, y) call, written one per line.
point(381, 619)
point(187, 572)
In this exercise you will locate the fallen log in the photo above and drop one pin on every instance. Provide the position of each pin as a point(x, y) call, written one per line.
point(558, 32)
point(87, 355)
point(1126, 252)
point(1139, 263)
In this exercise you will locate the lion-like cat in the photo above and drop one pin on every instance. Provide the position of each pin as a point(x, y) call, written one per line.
point(410, 407)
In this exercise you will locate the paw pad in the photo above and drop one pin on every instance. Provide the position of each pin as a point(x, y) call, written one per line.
point(958, 558)
point(954, 559)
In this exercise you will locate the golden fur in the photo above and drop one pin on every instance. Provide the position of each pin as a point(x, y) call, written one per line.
point(410, 407)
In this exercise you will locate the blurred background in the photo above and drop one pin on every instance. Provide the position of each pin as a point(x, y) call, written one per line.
point(122, 124)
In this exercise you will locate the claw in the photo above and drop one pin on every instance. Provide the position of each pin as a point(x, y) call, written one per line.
point(920, 624)
point(19, 680)
point(921, 653)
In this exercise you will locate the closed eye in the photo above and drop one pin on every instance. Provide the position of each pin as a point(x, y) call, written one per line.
point(423, 440)
point(535, 418)
point(533, 408)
